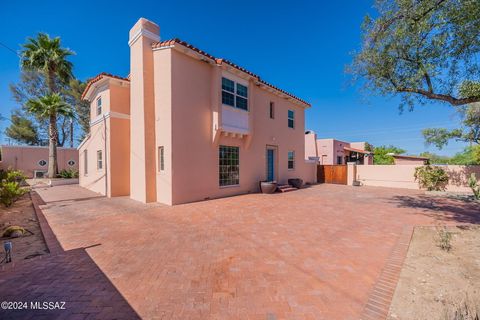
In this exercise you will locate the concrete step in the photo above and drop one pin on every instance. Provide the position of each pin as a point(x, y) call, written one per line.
point(285, 188)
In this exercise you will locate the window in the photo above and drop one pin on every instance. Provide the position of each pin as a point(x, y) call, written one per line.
point(161, 159)
point(291, 119)
point(272, 110)
point(99, 106)
point(339, 159)
point(234, 94)
point(85, 162)
point(42, 163)
point(71, 163)
point(291, 160)
point(99, 160)
point(229, 166)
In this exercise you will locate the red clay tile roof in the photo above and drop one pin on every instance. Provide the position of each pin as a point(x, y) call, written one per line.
point(98, 78)
point(172, 42)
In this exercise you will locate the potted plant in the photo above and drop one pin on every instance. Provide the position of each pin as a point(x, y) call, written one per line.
point(268, 186)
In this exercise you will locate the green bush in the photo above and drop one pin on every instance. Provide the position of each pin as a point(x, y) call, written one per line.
point(15, 176)
point(68, 174)
point(474, 185)
point(431, 178)
point(11, 192)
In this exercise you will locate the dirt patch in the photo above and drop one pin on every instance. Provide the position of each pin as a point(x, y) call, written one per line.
point(22, 214)
point(434, 282)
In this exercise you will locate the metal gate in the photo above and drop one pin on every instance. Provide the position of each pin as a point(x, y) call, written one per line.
point(332, 174)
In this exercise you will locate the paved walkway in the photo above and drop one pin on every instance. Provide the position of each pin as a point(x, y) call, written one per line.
point(315, 253)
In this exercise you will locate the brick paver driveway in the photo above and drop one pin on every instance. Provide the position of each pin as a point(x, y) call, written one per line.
point(310, 254)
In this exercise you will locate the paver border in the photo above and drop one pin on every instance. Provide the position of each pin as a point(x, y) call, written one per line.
point(381, 295)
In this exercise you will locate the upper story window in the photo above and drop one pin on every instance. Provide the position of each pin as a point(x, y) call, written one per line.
point(99, 106)
point(272, 110)
point(291, 119)
point(234, 94)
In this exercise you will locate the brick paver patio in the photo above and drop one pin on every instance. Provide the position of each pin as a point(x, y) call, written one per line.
point(315, 253)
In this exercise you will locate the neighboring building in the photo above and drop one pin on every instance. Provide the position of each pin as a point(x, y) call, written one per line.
point(33, 160)
point(409, 160)
point(331, 151)
point(186, 126)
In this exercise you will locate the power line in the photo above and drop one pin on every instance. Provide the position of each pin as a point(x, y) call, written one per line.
point(9, 49)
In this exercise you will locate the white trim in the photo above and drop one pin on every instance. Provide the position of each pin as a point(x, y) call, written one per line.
point(109, 114)
point(145, 33)
point(83, 141)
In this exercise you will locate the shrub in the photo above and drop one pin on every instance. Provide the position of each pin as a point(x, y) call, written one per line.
point(431, 178)
point(68, 174)
point(444, 238)
point(474, 185)
point(10, 230)
point(13, 176)
point(11, 192)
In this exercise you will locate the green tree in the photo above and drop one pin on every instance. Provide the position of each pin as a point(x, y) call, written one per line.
point(22, 129)
point(435, 158)
point(46, 55)
point(383, 154)
point(49, 107)
point(470, 131)
point(73, 95)
point(422, 50)
point(469, 156)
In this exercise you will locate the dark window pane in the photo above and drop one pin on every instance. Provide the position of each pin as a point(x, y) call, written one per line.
point(242, 103)
point(228, 166)
point(228, 99)
point(242, 90)
point(228, 85)
point(290, 123)
point(291, 114)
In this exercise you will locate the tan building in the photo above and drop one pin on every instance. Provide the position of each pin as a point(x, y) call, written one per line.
point(186, 126)
point(409, 160)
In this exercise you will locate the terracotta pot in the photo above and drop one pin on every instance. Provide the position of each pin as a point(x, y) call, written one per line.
point(268, 186)
point(296, 183)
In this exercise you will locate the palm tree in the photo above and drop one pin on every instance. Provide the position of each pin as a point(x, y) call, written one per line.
point(46, 55)
point(49, 107)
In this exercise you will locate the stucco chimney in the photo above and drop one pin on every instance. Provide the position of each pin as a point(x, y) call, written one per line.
point(142, 118)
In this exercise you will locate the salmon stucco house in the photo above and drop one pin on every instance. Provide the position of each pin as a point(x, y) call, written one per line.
point(186, 126)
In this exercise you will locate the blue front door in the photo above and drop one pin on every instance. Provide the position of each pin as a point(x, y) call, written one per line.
point(270, 165)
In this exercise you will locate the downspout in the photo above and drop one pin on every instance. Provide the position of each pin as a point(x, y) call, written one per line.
point(105, 157)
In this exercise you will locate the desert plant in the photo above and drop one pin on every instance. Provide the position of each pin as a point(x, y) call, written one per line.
point(13, 229)
point(10, 192)
point(431, 178)
point(474, 185)
point(444, 238)
point(68, 174)
point(15, 176)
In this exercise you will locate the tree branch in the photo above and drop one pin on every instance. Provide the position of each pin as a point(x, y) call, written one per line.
point(442, 97)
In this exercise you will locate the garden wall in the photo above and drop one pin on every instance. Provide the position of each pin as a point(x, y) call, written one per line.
point(401, 176)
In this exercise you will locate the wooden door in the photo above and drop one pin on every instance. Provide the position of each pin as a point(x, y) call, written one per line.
point(336, 174)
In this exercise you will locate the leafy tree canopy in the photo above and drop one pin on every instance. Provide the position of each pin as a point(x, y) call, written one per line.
point(22, 129)
point(422, 50)
point(470, 131)
point(469, 156)
point(382, 154)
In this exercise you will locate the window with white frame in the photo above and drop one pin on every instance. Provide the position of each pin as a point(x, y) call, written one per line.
point(161, 158)
point(99, 106)
point(291, 160)
point(99, 160)
point(229, 166)
point(234, 94)
point(291, 119)
point(85, 162)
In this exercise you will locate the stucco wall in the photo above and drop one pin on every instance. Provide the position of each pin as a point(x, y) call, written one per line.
point(406, 161)
point(395, 176)
point(194, 158)
point(26, 158)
